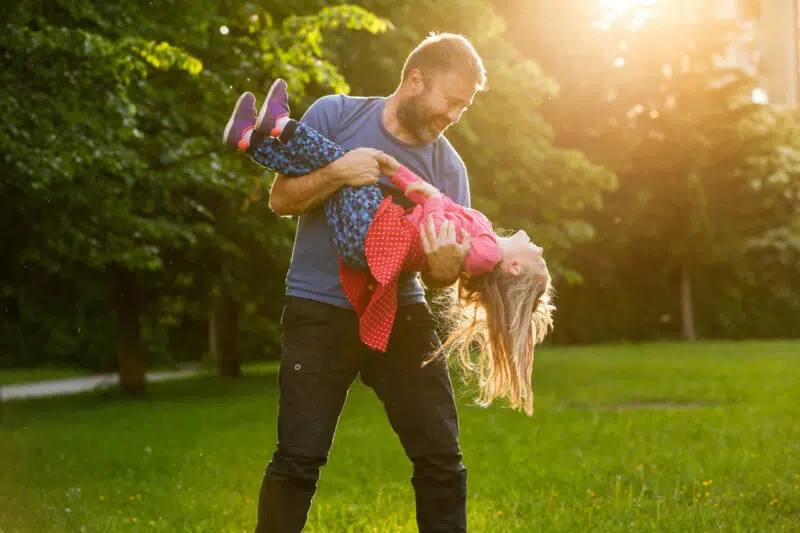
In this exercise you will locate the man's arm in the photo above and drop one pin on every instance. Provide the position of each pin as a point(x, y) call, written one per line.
point(437, 283)
point(295, 196)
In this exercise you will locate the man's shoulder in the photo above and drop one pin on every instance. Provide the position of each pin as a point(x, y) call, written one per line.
point(452, 176)
point(347, 105)
point(336, 112)
point(331, 114)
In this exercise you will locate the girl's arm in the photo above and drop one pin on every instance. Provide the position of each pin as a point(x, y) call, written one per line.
point(422, 193)
point(419, 191)
point(415, 188)
point(484, 253)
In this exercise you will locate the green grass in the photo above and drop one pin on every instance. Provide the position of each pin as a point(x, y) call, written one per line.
point(12, 376)
point(190, 457)
point(17, 376)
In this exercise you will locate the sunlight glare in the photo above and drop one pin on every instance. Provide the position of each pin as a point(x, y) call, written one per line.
point(631, 13)
point(759, 96)
point(602, 25)
point(623, 6)
point(617, 6)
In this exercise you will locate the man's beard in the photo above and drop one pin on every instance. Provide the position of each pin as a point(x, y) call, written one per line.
point(415, 118)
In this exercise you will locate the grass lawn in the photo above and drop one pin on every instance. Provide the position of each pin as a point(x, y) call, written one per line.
point(19, 376)
point(661, 437)
point(11, 376)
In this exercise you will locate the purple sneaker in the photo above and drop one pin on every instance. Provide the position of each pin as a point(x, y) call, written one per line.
point(275, 106)
point(242, 118)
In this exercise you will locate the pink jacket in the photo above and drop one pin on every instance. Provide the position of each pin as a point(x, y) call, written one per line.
point(393, 244)
point(484, 253)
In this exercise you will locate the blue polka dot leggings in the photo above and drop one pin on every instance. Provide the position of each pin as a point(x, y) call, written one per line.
point(349, 211)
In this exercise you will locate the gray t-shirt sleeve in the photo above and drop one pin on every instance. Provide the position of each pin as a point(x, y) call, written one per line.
point(325, 114)
point(460, 187)
point(456, 181)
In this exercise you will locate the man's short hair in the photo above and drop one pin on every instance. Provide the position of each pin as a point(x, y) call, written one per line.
point(446, 52)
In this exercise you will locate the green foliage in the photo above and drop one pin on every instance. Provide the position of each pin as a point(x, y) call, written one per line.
point(658, 106)
point(113, 115)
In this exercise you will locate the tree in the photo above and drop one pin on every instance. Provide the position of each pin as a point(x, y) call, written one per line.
point(647, 92)
point(111, 135)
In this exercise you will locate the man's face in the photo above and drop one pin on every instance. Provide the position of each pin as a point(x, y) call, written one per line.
point(434, 104)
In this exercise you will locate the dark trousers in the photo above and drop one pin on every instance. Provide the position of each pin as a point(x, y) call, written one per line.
point(322, 355)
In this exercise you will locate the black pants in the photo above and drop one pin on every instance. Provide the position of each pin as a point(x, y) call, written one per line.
point(322, 355)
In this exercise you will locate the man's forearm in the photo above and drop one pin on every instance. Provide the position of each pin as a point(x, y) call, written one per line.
point(437, 283)
point(295, 196)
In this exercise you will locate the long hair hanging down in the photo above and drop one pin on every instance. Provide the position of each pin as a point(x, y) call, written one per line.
point(500, 318)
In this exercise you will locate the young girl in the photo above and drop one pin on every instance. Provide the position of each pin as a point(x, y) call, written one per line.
point(504, 293)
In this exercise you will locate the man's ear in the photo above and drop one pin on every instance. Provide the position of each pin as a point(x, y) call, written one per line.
point(415, 82)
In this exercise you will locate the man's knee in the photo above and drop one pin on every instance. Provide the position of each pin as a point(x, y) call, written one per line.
point(439, 467)
point(296, 469)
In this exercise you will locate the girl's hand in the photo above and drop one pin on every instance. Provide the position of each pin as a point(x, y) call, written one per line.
point(424, 188)
point(387, 164)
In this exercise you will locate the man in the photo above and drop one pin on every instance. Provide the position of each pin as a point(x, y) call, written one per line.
point(322, 353)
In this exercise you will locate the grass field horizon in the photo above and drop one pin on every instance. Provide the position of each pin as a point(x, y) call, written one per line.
point(663, 437)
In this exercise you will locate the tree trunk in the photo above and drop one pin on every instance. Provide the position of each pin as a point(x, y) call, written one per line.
point(687, 308)
point(227, 320)
point(213, 344)
point(129, 345)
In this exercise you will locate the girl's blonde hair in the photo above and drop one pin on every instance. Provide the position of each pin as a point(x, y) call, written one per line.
point(502, 317)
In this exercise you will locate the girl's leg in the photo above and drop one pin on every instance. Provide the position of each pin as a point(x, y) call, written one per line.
point(269, 152)
point(301, 150)
point(307, 142)
point(350, 212)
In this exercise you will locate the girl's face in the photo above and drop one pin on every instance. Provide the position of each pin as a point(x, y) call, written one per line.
point(519, 254)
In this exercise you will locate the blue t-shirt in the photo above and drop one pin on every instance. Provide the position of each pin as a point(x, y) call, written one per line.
point(354, 122)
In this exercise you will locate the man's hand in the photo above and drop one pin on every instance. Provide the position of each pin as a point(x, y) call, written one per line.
point(445, 255)
point(358, 167)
